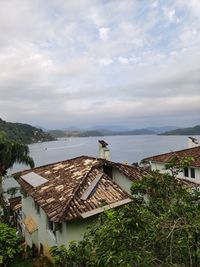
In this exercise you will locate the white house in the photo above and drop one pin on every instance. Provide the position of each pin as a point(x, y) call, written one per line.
point(62, 199)
point(191, 174)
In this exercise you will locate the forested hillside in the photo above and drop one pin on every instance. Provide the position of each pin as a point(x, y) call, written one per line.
point(184, 131)
point(24, 132)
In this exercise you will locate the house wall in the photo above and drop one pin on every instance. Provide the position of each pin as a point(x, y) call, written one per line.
point(120, 179)
point(75, 229)
point(42, 235)
point(161, 167)
point(69, 231)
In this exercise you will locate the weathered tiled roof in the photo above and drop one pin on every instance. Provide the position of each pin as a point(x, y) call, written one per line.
point(181, 154)
point(61, 196)
point(14, 202)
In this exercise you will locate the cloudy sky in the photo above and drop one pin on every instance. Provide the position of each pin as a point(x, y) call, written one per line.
point(81, 63)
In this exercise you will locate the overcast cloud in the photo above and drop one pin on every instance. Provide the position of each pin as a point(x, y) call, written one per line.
point(90, 62)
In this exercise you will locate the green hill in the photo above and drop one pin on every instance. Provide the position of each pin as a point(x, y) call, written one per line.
point(24, 132)
point(184, 131)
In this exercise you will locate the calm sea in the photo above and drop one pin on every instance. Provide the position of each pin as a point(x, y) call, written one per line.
point(122, 149)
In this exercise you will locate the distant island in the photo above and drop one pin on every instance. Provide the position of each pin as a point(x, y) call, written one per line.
point(184, 131)
point(24, 132)
point(165, 130)
point(89, 133)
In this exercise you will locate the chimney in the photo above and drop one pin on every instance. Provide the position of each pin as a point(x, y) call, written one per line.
point(192, 142)
point(104, 151)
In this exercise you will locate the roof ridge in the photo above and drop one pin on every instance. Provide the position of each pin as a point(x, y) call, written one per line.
point(172, 152)
point(53, 163)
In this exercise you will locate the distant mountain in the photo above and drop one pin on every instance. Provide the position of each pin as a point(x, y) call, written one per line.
point(102, 132)
point(184, 131)
point(57, 133)
point(162, 129)
point(136, 132)
point(109, 128)
point(24, 132)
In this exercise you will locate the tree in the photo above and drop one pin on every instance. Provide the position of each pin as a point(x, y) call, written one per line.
point(9, 244)
point(160, 228)
point(11, 152)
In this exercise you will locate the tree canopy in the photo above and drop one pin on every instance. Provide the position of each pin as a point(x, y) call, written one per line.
point(12, 152)
point(9, 244)
point(160, 228)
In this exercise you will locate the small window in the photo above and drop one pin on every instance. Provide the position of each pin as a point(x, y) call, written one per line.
point(192, 172)
point(186, 172)
point(50, 225)
point(41, 249)
point(108, 170)
point(37, 207)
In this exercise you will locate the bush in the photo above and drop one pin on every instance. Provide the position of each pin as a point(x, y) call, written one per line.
point(9, 244)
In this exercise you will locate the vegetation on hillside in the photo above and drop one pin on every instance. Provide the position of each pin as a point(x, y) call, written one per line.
point(160, 228)
point(24, 133)
point(11, 152)
point(184, 131)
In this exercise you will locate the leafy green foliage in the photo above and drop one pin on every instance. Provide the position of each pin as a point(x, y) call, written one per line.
point(160, 228)
point(11, 152)
point(175, 165)
point(24, 132)
point(9, 244)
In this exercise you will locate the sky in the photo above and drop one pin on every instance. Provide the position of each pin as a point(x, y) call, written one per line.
point(81, 63)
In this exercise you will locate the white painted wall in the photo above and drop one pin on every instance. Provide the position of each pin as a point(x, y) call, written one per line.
point(161, 167)
point(69, 231)
point(120, 179)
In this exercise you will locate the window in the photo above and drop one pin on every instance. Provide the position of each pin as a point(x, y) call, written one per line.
point(37, 207)
point(186, 172)
point(41, 249)
point(50, 225)
point(108, 170)
point(51, 229)
point(192, 172)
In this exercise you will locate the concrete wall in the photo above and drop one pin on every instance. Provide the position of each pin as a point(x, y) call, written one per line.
point(161, 167)
point(44, 235)
point(122, 180)
point(68, 231)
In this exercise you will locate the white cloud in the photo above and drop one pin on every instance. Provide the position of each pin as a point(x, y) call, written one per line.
point(170, 14)
point(155, 4)
point(103, 34)
point(61, 59)
point(123, 60)
point(105, 61)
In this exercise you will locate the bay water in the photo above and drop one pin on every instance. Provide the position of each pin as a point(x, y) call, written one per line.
point(127, 149)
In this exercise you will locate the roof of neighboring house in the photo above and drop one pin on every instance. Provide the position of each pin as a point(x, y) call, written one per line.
point(181, 154)
point(188, 183)
point(74, 187)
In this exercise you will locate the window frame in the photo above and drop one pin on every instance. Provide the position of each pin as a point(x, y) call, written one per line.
point(37, 208)
point(186, 172)
point(192, 173)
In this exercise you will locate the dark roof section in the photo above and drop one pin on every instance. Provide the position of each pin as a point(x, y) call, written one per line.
point(61, 196)
point(14, 202)
point(103, 143)
point(181, 154)
point(194, 140)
